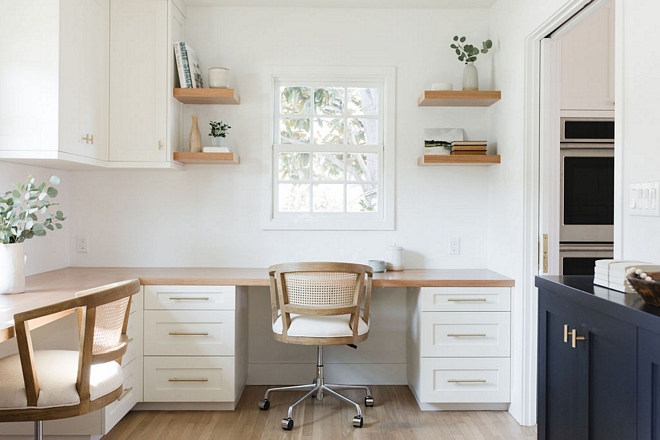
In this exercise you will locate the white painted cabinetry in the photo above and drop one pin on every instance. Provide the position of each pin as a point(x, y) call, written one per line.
point(144, 118)
point(587, 64)
point(195, 347)
point(54, 106)
point(459, 347)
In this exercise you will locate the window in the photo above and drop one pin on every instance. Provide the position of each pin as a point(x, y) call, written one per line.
point(330, 151)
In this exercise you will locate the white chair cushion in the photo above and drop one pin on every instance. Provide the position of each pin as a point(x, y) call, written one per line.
point(320, 326)
point(57, 371)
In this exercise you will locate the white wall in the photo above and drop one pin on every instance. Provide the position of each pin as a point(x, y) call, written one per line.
point(210, 215)
point(637, 102)
point(52, 251)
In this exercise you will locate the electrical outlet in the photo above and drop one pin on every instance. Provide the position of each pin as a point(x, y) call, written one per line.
point(81, 243)
point(454, 245)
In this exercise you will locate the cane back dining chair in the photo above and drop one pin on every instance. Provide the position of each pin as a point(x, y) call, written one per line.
point(38, 385)
point(320, 303)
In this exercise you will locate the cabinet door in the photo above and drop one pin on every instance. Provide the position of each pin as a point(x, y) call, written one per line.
point(587, 63)
point(138, 80)
point(648, 385)
point(586, 392)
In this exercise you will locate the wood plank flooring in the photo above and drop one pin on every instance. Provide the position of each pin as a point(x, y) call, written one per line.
point(394, 416)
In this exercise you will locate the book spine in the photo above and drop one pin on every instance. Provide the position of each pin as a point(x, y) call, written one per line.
point(187, 78)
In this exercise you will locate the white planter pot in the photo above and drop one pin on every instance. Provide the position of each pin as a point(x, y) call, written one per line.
point(217, 141)
point(12, 268)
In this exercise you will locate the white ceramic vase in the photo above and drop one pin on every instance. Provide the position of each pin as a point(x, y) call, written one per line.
point(12, 268)
point(470, 77)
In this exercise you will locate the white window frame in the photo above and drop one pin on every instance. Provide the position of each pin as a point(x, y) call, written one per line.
point(384, 218)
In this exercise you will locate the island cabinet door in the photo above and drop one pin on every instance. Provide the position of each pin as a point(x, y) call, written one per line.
point(587, 379)
point(648, 385)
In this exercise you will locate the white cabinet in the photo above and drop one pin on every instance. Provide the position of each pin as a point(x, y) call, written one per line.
point(459, 347)
point(195, 347)
point(54, 106)
point(144, 118)
point(587, 63)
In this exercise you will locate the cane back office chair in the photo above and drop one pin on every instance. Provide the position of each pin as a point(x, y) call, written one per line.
point(320, 304)
point(37, 385)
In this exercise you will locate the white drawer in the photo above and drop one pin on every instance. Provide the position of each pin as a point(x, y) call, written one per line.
point(485, 380)
point(132, 394)
point(465, 299)
point(136, 302)
point(188, 379)
point(463, 334)
point(190, 297)
point(189, 332)
point(133, 331)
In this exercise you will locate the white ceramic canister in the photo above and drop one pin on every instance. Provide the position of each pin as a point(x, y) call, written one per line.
point(218, 77)
point(395, 260)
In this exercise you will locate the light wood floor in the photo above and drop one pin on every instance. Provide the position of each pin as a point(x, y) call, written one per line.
point(394, 416)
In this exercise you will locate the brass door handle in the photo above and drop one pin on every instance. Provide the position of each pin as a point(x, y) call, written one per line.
point(566, 333)
point(576, 338)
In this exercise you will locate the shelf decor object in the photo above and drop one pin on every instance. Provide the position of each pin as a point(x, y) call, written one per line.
point(207, 158)
point(458, 98)
point(195, 138)
point(438, 159)
point(207, 96)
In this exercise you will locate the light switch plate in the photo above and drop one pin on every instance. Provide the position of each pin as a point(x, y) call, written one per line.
point(645, 199)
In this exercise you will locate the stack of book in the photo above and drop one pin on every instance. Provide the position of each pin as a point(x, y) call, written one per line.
point(190, 75)
point(468, 148)
point(612, 273)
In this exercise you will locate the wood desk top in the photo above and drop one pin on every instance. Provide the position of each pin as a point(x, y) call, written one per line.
point(59, 285)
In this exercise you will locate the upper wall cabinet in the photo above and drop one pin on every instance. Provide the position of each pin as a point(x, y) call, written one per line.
point(54, 88)
point(587, 63)
point(144, 119)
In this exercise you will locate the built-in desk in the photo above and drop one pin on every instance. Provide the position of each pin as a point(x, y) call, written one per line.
point(443, 332)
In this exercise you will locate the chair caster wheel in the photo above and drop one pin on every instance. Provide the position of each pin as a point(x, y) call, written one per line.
point(264, 405)
point(358, 421)
point(287, 424)
point(369, 401)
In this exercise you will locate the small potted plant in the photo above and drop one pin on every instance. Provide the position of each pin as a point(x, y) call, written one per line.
point(218, 133)
point(19, 221)
point(468, 54)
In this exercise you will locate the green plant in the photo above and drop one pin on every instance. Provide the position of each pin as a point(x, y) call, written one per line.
point(218, 129)
point(467, 52)
point(20, 206)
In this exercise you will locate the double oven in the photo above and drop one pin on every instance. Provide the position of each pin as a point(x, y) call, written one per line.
point(586, 232)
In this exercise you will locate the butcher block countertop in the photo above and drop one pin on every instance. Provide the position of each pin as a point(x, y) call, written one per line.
point(59, 285)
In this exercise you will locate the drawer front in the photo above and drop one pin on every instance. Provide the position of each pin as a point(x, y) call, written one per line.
point(189, 332)
point(136, 302)
point(133, 331)
point(132, 394)
point(189, 297)
point(188, 379)
point(465, 299)
point(485, 380)
point(462, 334)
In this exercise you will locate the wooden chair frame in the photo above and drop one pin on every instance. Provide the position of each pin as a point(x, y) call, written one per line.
point(280, 301)
point(85, 304)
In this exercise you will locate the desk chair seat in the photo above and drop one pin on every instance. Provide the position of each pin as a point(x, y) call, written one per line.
point(320, 304)
point(38, 385)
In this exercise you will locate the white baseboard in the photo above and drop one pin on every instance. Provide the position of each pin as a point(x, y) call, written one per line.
point(348, 374)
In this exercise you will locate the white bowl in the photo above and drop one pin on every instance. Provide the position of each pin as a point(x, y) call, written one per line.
point(442, 86)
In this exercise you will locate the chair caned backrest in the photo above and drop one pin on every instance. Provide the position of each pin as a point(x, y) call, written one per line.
point(109, 325)
point(321, 288)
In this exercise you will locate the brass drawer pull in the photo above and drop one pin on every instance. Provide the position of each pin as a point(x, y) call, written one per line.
point(466, 380)
point(467, 299)
point(129, 340)
point(576, 338)
point(566, 333)
point(460, 335)
point(126, 391)
point(189, 333)
point(188, 379)
point(189, 298)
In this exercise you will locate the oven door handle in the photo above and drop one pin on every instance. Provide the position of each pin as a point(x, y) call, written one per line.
point(585, 248)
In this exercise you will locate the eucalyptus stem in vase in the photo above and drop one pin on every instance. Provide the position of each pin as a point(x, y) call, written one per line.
point(467, 53)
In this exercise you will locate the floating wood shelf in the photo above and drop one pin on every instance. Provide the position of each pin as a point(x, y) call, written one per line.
point(206, 158)
point(207, 96)
point(439, 159)
point(458, 98)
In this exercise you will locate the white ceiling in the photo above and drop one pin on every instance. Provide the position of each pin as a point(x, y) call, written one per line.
point(432, 4)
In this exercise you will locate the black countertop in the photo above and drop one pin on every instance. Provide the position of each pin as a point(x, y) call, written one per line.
point(629, 307)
